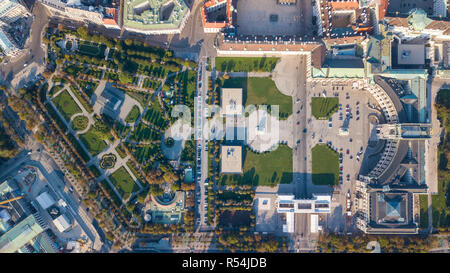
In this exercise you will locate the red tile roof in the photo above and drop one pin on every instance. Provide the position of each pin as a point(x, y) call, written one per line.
point(397, 21)
point(438, 25)
point(211, 3)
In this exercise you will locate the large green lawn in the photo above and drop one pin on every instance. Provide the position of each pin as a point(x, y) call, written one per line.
point(441, 202)
point(123, 182)
point(423, 199)
point(258, 91)
point(93, 142)
point(66, 105)
point(133, 115)
point(246, 64)
point(266, 169)
point(325, 165)
point(91, 49)
point(323, 108)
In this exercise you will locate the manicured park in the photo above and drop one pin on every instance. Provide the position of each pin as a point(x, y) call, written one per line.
point(108, 161)
point(92, 142)
point(66, 105)
point(91, 49)
point(323, 108)
point(79, 123)
point(155, 116)
point(123, 182)
point(145, 133)
point(133, 115)
point(325, 165)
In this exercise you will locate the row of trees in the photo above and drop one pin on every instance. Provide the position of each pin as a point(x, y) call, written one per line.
point(388, 243)
point(247, 242)
point(9, 139)
point(441, 215)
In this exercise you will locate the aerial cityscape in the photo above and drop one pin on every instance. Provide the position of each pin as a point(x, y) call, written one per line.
point(224, 126)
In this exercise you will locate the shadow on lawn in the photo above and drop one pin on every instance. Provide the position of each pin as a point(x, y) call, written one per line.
point(324, 179)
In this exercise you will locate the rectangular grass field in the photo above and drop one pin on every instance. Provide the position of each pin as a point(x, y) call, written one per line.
point(89, 49)
point(325, 165)
point(245, 64)
point(265, 169)
point(258, 91)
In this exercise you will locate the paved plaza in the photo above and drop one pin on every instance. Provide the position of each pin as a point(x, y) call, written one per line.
point(254, 17)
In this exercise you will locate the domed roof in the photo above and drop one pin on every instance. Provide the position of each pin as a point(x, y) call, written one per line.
point(418, 19)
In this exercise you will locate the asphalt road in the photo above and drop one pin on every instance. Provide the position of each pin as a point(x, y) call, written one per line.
point(299, 109)
point(300, 153)
point(199, 123)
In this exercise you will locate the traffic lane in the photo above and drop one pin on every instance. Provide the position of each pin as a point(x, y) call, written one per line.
point(200, 144)
point(299, 124)
point(204, 166)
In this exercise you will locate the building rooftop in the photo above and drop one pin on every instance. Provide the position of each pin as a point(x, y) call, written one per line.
point(110, 99)
point(19, 235)
point(391, 212)
point(5, 43)
point(217, 14)
point(418, 20)
point(231, 159)
point(319, 203)
point(154, 14)
point(258, 44)
point(45, 200)
point(231, 101)
point(62, 223)
point(344, 19)
point(411, 54)
point(6, 6)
